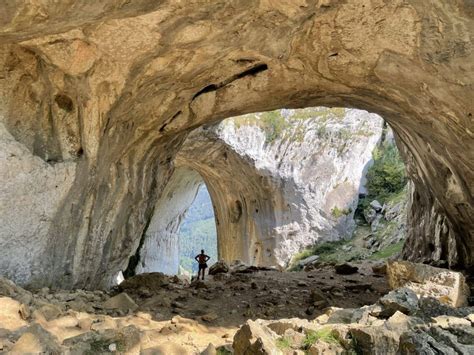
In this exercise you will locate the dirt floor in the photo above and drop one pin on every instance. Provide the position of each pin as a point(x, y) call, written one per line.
point(233, 298)
point(174, 316)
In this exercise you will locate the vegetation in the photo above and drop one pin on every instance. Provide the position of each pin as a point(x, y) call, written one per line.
point(387, 176)
point(283, 343)
point(276, 124)
point(339, 212)
point(324, 334)
point(386, 182)
point(326, 251)
point(388, 251)
point(223, 351)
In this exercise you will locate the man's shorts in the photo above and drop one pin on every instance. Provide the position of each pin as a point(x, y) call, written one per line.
point(202, 266)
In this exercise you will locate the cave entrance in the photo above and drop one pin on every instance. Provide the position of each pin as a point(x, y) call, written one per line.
point(284, 185)
point(197, 231)
point(181, 225)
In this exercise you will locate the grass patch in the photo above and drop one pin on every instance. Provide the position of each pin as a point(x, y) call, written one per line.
point(324, 334)
point(276, 126)
point(283, 343)
point(325, 251)
point(223, 351)
point(339, 212)
point(388, 251)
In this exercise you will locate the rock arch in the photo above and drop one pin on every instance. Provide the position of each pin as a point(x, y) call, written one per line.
point(274, 186)
point(140, 75)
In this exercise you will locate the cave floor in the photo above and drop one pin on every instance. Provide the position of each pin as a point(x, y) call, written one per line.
point(233, 298)
point(175, 317)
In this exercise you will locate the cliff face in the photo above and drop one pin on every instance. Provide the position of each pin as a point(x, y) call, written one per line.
point(279, 181)
point(104, 94)
point(283, 180)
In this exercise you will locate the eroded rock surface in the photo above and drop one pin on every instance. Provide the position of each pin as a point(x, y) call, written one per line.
point(112, 89)
point(279, 181)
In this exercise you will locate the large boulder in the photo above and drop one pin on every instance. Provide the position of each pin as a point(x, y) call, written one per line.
point(254, 338)
point(447, 286)
point(219, 267)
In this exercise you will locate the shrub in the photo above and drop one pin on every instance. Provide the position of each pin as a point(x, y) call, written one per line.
point(387, 175)
point(338, 212)
point(273, 123)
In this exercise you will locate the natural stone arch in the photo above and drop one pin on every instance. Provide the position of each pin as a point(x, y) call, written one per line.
point(271, 195)
point(150, 72)
point(159, 247)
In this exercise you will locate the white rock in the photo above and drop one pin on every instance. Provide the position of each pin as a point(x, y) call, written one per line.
point(427, 281)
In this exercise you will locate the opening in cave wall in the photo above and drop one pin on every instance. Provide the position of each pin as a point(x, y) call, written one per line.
point(282, 183)
point(198, 231)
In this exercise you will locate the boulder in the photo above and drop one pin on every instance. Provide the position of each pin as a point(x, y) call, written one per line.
point(121, 302)
point(403, 300)
point(323, 348)
point(36, 340)
point(369, 215)
point(345, 269)
point(379, 269)
point(309, 260)
point(10, 314)
point(209, 317)
point(318, 299)
point(376, 206)
point(431, 308)
point(219, 267)
point(437, 340)
point(48, 312)
point(254, 338)
point(125, 340)
point(447, 286)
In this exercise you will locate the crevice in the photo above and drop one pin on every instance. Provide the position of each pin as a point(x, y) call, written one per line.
point(208, 88)
point(162, 128)
point(252, 71)
point(249, 72)
point(135, 258)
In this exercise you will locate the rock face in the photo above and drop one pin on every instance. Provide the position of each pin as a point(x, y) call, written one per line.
point(100, 97)
point(279, 181)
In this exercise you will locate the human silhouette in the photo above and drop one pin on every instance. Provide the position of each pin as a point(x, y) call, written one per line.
point(202, 260)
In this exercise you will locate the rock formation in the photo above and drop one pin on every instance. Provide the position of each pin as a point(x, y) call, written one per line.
point(104, 94)
point(278, 183)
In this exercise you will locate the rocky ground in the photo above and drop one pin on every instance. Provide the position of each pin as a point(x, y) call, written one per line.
point(277, 312)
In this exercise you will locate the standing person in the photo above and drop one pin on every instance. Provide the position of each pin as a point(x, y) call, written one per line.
point(202, 260)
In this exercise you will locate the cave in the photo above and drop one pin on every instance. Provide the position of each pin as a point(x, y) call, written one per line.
point(279, 181)
point(125, 84)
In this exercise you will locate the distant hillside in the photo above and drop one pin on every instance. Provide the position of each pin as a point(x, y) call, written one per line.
point(198, 231)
